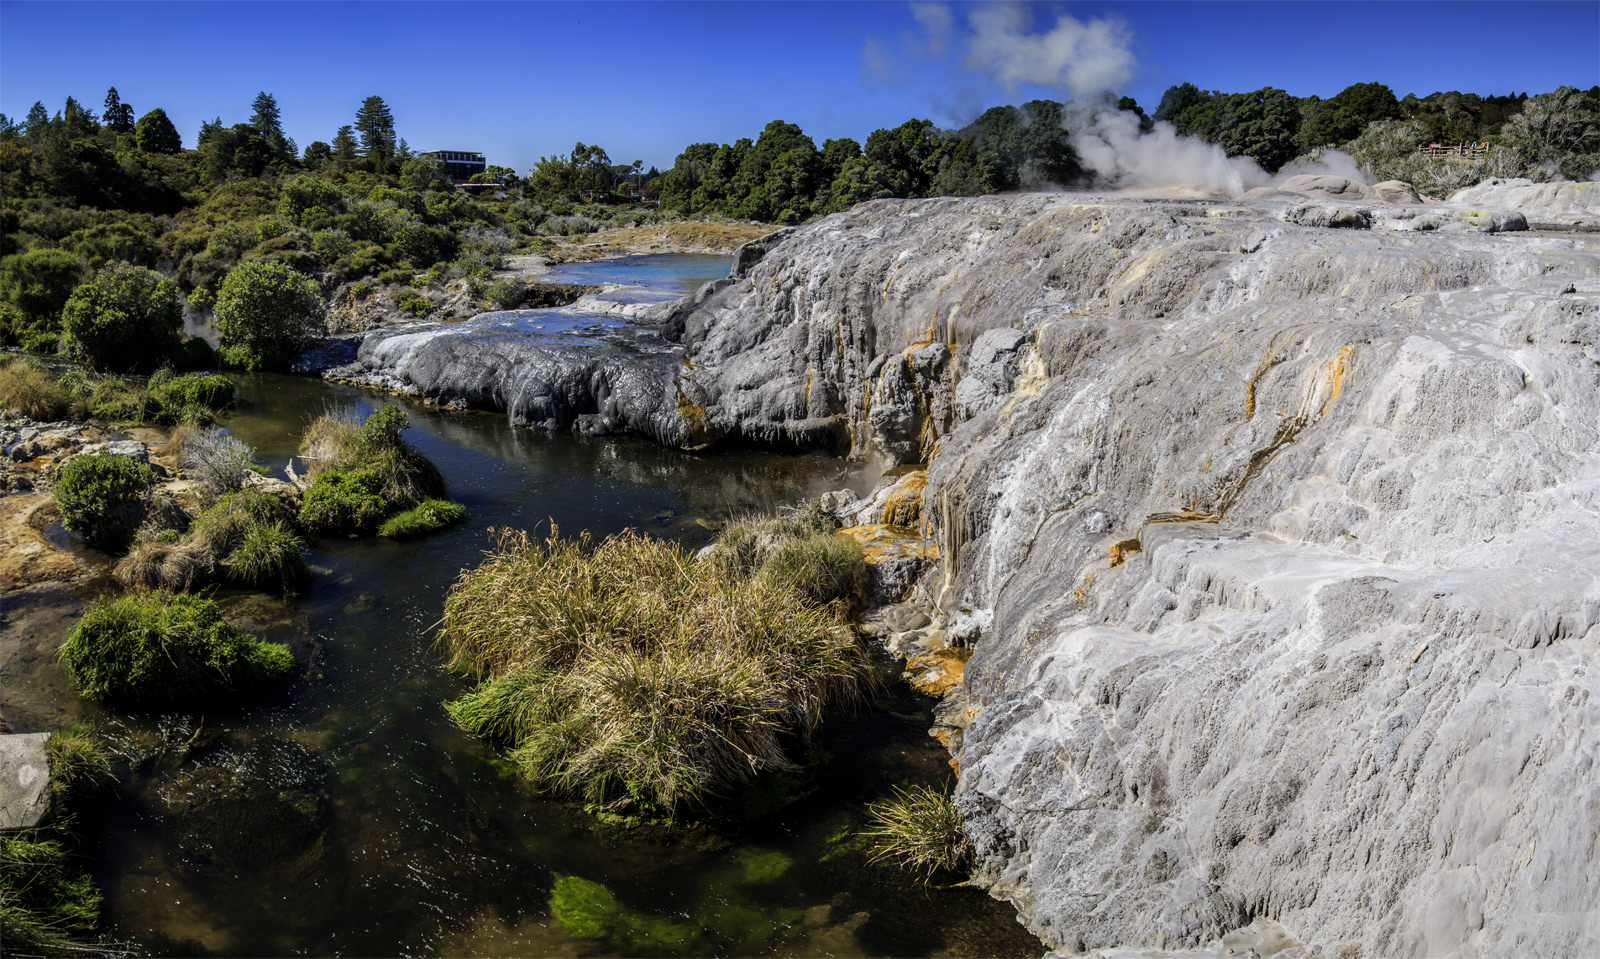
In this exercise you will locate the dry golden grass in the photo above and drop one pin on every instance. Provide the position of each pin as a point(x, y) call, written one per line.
point(629, 673)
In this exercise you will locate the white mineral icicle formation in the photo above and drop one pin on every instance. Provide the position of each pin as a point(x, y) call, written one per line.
point(1286, 538)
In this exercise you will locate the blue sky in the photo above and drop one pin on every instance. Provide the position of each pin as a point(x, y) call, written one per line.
point(519, 80)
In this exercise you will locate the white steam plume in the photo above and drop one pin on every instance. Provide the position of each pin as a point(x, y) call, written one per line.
point(1110, 143)
point(1081, 57)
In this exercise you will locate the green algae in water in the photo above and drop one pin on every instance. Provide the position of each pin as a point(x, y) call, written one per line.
point(762, 865)
point(588, 910)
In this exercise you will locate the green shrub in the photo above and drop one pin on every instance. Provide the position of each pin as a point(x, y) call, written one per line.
point(360, 290)
point(267, 313)
point(361, 474)
point(424, 518)
point(632, 674)
point(102, 496)
point(919, 829)
point(124, 318)
point(506, 293)
point(158, 648)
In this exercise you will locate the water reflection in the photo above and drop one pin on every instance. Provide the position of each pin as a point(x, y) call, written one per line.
point(345, 814)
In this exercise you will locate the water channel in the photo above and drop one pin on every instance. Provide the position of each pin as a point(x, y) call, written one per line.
point(345, 814)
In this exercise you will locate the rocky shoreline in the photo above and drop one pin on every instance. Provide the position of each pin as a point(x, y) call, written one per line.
point(1264, 532)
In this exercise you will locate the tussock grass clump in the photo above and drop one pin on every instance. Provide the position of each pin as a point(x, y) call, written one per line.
point(919, 829)
point(269, 556)
point(629, 673)
point(363, 473)
point(158, 647)
point(798, 549)
point(246, 537)
point(48, 906)
point(27, 387)
point(78, 764)
point(426, 517)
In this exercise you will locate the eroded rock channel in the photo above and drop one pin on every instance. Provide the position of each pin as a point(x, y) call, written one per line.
point(1271, 528)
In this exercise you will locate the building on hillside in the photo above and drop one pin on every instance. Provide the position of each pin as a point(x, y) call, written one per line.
point(459, 165)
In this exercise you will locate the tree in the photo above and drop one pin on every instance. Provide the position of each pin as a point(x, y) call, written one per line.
point(236, 152)
point(117, 115)
point(267, 123)
point(1558, 132)
point(1344, 116)
point(376, 126)
point(77, 123)
point(154, 133)
point(39, 283)
point(268, 314)
point(1261, 125)
point(317, 153)
point(125, 318)
point(344, 144)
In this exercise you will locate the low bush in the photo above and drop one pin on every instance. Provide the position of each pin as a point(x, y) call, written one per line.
point(246, 537)
point(633, 675)
point(424, 518)
point(344, 502)
point(102, 496)
point(220, 463)
point(157, 647)
point(919, 829)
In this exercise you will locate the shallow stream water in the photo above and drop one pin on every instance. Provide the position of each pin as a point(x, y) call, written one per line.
point(345, 814)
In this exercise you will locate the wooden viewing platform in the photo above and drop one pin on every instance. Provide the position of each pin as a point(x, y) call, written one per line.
point(1468, 150)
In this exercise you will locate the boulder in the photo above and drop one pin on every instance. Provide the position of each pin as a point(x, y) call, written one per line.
point(25, 794)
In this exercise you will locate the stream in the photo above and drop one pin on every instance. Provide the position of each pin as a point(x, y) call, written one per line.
point(346, 815)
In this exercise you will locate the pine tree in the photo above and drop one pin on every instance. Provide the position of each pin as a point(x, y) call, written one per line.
point(376, 126)
point(344, 143)
point(118, 115)
point(267, 122)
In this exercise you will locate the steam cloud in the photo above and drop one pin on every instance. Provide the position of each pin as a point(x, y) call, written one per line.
point(1081, 57)
point(1086, 59)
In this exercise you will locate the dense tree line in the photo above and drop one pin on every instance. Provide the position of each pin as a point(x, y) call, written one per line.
point(361, 216)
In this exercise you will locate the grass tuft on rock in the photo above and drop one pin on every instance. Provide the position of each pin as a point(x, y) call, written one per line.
point(918, 829)
point(426, 517)
point(157, 647)
point(78, 763)
point(633, 675)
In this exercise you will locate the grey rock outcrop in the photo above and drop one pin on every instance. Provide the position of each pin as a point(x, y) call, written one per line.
point(25, 795)
point(1280, 554)
point(1276, 547)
